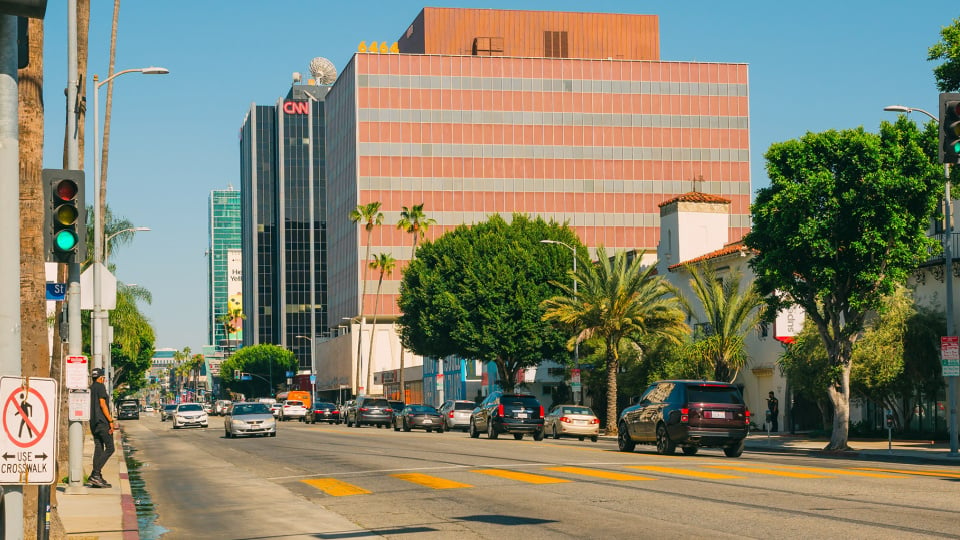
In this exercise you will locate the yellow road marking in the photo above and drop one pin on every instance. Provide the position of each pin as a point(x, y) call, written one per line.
point(609, 475)
point(430, 481)
point(839, 471)
point(948, 474)
point(684, 472)
point(771, 472)
point(521, 476)
point(335, 488)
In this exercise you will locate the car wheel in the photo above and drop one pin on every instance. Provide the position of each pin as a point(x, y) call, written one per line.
point(429, 430)
point(665, 446)
point(274, 434)
point(624, 442)
point(472, 430)
point(406, 427)
point(581, 439)
point(518, 436)
point(690, 450)
point(491, 431)
point(356, 423)
point(556, 434)
point(594, 438)
point(440, 429)
point(226, 434)
point(538, 435)
point(734, 450)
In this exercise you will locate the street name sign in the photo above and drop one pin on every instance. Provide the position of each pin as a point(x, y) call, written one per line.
point(56, 291)
point(28, 408)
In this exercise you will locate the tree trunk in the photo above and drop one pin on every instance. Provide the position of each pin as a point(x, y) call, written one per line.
point(363, 295)
point(841, 412)
point(613, 367)
point(373, 329)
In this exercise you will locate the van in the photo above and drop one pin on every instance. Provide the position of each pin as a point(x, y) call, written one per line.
point(299, 395)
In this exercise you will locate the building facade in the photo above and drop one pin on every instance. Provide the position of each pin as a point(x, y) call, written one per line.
point(568, 116)
point(224, 268)
point(283, 203)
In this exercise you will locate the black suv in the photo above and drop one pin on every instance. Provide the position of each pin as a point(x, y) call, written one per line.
point(374, 411)
point(508, 413)
point(688, 414)
point(128, 409)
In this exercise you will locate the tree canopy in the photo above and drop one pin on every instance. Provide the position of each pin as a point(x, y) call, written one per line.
point(844, 220)
point(265, 362)
point(475, 293)
point(947, 50)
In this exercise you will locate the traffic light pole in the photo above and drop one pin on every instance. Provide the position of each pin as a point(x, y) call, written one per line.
point(951, 330)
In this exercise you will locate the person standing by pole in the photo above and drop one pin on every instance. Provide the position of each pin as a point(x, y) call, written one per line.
point(102, 425)
point(773, 409)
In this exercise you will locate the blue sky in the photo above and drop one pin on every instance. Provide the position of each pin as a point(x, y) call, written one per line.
point(814, 65)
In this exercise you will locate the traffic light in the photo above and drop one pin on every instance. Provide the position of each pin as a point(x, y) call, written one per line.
point(65, 222)
point(949, 128)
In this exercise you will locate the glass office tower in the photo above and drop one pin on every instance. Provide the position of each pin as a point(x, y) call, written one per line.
point(223, 266)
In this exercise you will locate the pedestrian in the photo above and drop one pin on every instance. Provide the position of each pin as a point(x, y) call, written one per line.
point(773, 409)
point(102, 425)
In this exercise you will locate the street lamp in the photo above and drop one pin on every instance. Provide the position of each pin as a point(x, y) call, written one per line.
point(313, 367)
point(106, 241)
point(96, 330)
point(107, 353)
point(948, 278)
point(576, 345)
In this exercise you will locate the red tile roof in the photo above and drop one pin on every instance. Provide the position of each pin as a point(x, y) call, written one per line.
point(696, 196)
point(729, 249)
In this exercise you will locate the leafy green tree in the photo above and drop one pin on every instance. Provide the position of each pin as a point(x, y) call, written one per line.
point(844, 220)
point(947, 50)
point(383, 263)
point(370, 215)
point(130, 371)
point(729, 315)
point(475, 293)
point(416, 223)
point(617, 300)
point(133, 339)
point(259, 360)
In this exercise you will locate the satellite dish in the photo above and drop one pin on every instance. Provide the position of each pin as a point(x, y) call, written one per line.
point(297, 77)
point(323, 71)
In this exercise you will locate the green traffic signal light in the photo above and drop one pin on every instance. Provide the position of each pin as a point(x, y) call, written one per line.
point(950, 128)
point(65, 241)
point(65, 236)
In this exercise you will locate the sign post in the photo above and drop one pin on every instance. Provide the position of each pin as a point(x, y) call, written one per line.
point(28, 409)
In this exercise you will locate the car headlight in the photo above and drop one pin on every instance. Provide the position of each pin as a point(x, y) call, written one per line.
point(239, 423)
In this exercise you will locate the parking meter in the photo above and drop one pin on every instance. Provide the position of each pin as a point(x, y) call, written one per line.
point(889, 417)
point(889, 420)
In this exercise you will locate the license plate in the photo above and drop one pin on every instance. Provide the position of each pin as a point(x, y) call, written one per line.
point(579, 422)
point(428, 421)
point(715, 414)
point(521, 415)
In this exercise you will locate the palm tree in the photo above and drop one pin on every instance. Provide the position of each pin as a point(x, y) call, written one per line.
point(131, 328)
point(729, 315)
point(385, 263)
point(415, 222)
point(180, 357)
point(370, 215)
point(617, 300)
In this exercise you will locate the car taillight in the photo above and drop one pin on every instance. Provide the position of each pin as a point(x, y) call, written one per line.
point(451, 414)
point(364, 409)
point(500, 410)
point(748, 418)
point(541, 411)
point(565, 420)
point(595, 421)
point(388, 410)
point(684, 415)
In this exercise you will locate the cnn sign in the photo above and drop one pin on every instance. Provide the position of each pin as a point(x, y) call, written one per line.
point(296, 107)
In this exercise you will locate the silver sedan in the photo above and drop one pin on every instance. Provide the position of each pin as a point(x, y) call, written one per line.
point(249, 419)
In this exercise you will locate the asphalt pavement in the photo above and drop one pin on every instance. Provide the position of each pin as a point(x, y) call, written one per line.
point(110, 514)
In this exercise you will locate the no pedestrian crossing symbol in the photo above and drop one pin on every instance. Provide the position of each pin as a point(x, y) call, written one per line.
point(28, 408)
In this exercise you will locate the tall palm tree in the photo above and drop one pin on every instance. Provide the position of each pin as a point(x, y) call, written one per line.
point(370, 215)
point(729, 315)
point(415, 222)
point(617, 300)
point(384, 263)
point(180, 357)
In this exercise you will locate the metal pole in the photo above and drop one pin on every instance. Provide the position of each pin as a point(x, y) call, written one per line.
point(951, 331)
point(576, 345)
point(96, 330)
point(10, 351)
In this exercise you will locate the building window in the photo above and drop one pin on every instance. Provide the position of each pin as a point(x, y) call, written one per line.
point(555, 45)
point(488, 46)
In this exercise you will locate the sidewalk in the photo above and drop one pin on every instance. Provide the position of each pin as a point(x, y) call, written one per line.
point(102, 514)
point(897, 451)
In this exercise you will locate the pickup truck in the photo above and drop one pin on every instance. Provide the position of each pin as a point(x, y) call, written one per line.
point(292, 409)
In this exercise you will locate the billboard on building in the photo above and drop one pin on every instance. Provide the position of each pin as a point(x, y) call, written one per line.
point(235, 293)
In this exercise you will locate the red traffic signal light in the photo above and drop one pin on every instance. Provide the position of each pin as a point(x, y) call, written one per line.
point(950, 128)
point(65, 223)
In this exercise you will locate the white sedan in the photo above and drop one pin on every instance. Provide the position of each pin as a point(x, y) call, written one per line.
point(293, 409)
point(189, 414)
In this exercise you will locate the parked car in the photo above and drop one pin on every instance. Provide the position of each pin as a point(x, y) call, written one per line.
point(373, 411)
point(419, 417)
point(572, 421)
point(128, 410)
point(148, 409)
point(500, 412)
point(688, 414)
point(189, 414)
point(456, 413)
point(323, 412)
point(208, 408)
point(249, 419)
point(292, 409)
point(166, 413)
point(221, 406)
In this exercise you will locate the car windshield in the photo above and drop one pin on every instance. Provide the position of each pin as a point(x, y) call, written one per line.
point(169, 407)
point(523, 401)
point(189, 407)
point(576, 410)
point(250, 408)
point(396, 405)
point(292, 403)
point(466, 406)
point(128, 407)
point(714, 394)
point(324, 406)
point(420, 409)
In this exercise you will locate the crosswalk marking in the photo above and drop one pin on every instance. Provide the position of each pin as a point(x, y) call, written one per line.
point(950, 474)
point(841, 471)
point(685, 472)
point(608, 475)
point(771, 472)
point(521, 476)
point(335, 488)
point(432, 482)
